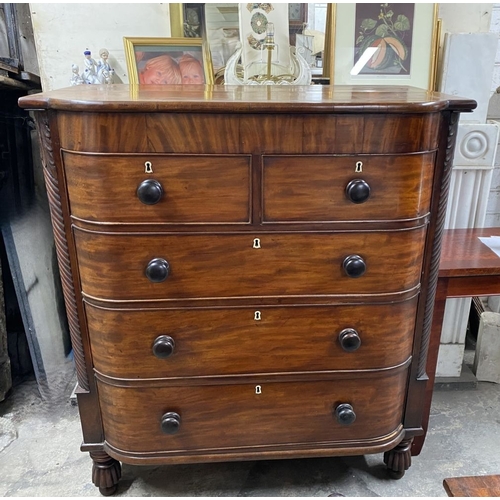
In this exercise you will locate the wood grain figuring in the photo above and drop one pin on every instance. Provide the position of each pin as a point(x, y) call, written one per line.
point(370, 134)
point(98, 132)
point(231, 341)
point(473, 486)
point(194, 133)
point(412, 133)
point(474, 258)
point(267, 452)
point(215, 415)
point(221, 185)
point(400, 187)
point(247, 133)
point(112, 266)
point(62, 250)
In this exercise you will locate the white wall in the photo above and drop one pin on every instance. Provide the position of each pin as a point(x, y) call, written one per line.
point(465, 17)
point(64, 30)
point(493, 209)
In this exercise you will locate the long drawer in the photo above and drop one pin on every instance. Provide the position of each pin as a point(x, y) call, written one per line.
point(143, 343)
point(339, 188)
point(115, 266)
point(139, 419)
point(159, 188)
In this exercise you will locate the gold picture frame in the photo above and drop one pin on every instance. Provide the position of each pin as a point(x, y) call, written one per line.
point(167, 61)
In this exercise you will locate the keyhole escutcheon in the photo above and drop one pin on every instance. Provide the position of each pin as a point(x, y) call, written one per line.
point(256, 243)
point(359, 167)
point(258, 389)
point(148, 167)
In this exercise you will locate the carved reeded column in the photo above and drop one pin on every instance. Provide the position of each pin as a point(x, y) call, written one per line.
point(106, 472)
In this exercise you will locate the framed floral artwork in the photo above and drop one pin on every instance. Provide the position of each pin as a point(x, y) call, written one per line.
point(385, 44)
point(168, 61)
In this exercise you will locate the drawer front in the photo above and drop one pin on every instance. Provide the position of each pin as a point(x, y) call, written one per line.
point(271, 133)
point(222, 416)
point(198, 342)
point(114, 266)
point(179, 189)
point(342, 188)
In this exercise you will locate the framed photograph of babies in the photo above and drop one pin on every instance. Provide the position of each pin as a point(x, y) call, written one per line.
point(168, 61)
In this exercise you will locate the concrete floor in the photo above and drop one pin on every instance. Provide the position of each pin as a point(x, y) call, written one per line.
point(40, 457)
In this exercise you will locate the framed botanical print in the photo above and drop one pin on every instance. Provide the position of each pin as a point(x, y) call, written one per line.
point(385, 44)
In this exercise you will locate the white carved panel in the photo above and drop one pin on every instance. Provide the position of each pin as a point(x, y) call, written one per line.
point(476, 145)
point(468, 201)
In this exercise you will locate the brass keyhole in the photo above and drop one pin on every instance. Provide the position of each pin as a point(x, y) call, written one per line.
point(148, 167)
point(257, 316)
point(359, 167)
point(258, 389)
point(256, 243)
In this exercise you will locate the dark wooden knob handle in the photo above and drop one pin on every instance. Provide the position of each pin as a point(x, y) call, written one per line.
point(345, 414)
point(157, 270)
point(170, 422)
point(354, 266)
point(358, 190)
point(149, 192)
point(349, 339)
point(163, 346)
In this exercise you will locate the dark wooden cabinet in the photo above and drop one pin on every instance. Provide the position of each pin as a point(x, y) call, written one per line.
point(249, 272)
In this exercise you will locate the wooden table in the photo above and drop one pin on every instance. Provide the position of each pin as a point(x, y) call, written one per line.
point(468, 268)
point(473, 486)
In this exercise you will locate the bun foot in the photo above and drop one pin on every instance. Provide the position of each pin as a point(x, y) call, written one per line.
point(108, 491)
point(395, 475)
point(398, 460)
point(106, 472)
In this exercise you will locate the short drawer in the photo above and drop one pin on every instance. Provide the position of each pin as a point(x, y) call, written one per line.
point(115, 266)
point(158, 188)
point(252, 414)
point(346, 188)
point(197, 342)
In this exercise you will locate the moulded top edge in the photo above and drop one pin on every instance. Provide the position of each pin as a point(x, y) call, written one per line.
point(246, 99)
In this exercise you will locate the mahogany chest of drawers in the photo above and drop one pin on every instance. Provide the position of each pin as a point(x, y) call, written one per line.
point(249, 272)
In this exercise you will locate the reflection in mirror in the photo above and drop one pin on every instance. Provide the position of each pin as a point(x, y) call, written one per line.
point(223, 33)
point(312, 35)
point(307, 30)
